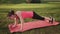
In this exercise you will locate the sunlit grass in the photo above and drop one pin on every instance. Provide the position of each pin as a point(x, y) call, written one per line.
point(8, 6)
point(41, 9)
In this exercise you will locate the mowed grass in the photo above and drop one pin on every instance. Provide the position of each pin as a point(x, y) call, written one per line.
point(52, 9)
point(15, 6)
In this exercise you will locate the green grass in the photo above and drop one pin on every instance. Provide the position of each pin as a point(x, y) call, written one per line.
point(49, 9)
point(8, 6)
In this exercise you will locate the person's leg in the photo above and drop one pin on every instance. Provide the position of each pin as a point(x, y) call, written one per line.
point(49, 19)
point(36, 16)
point(52, 20)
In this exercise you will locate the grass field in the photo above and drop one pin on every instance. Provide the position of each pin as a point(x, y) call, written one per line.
point(48, 9)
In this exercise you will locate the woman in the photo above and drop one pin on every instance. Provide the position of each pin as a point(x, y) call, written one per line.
point(26, 14)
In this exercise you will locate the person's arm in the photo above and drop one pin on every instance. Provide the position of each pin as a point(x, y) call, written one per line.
point(15, 21)
point(22, 21)
point(20, 17)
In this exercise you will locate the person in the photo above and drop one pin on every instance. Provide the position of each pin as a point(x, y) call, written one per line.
point(21, 15)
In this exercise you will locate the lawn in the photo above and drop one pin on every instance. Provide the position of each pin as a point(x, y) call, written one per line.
point(45, 9)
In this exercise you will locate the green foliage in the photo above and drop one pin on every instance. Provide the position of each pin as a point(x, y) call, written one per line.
point(12, 1)
point(23, 1)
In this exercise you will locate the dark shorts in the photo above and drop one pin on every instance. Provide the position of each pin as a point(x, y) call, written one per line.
point(36, 16)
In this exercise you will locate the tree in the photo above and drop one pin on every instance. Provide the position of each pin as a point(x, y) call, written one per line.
point(28, 1)
point(35, 1)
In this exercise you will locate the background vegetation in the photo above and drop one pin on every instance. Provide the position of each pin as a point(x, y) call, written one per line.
point(44, 9)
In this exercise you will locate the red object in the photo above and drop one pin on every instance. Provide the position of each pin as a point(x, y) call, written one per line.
point(30, 25)
point(25, 14)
